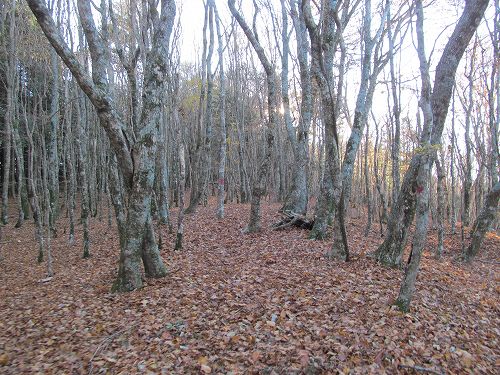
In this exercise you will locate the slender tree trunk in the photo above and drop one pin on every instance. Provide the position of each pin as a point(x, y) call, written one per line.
point(181, 187)
point(9, 109)
point(81, 147)
point(22, 194)
point(200, 157)
point(53, 156)
point(259, 184)
point(297, 198)
point(440, 206)
point(452, 171)
point(367, 184)
point(222, 114)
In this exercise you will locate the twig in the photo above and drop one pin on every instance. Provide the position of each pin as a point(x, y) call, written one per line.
point(421, 369)
point(487, 261)
point(104, 343)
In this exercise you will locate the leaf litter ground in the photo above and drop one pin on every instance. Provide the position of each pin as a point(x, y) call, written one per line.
point(267, 303)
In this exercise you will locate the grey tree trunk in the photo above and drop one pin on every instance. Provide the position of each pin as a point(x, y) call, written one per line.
point(453, 220)
point(136, 161)
point(440, 205)
point(482, 224)
point(423, 176)
point(22, 194)
point(11, 74)
point(323, 43)
point(200, 157)
point(468, 104)
point(370, 69)
point(162, 172)
point(297, 199)
point(260, 182)
point(81, 151)
point(222, 113)
point(403, 211)
point(369, 202)
point(53, 156)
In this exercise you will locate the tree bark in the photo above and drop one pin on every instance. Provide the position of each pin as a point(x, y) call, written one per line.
point(484, 220)
point(222, 113)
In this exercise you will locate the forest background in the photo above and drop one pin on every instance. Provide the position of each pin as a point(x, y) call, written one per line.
point(174, 120)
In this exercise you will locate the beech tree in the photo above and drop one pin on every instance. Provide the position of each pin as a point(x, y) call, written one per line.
point(259, 183)
point(136, 158)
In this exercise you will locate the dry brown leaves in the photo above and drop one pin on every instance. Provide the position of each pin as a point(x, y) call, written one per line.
point(265, 303)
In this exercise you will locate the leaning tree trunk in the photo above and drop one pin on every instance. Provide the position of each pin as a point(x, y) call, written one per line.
point(485, 218)
point(403, 211)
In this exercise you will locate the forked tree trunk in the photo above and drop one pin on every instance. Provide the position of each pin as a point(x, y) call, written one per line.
point(136, 161)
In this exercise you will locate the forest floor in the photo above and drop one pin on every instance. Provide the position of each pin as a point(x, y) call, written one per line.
point(267, 303)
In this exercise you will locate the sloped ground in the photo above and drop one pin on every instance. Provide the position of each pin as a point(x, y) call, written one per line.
point(266, 303)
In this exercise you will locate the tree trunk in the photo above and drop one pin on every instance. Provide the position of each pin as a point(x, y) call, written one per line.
point(222, 113)
point(484, 220)
point(259, 184)
point(297, 198)
point(440, 206)
point(423, 175)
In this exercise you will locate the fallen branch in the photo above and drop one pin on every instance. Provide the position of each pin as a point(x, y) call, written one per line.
point(104, 344)
point(293, 219)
